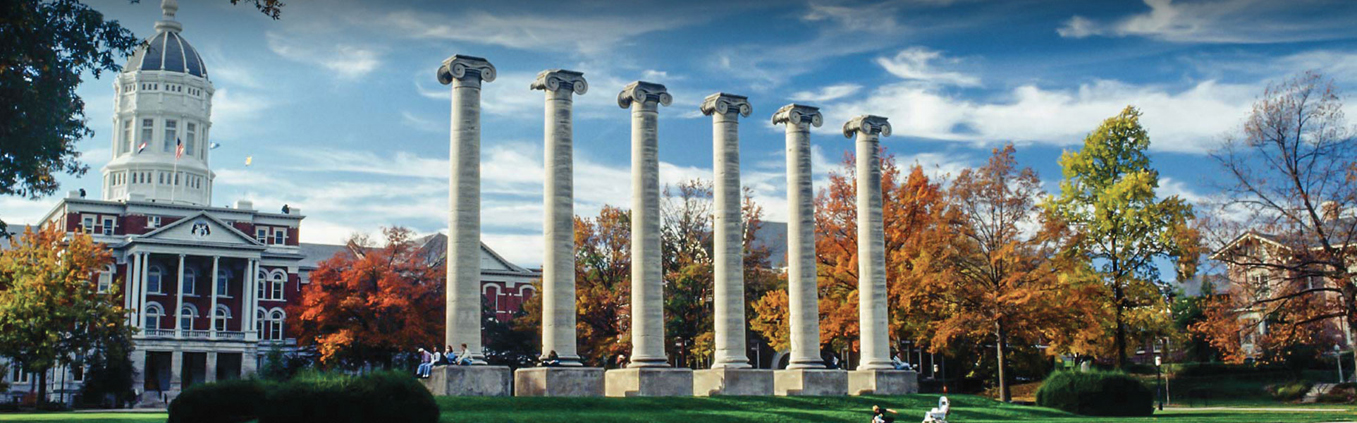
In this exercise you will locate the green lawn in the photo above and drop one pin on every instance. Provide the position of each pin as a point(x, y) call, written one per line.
point(760, 409)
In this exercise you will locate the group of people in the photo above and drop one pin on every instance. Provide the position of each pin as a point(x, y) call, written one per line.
point(427, 359)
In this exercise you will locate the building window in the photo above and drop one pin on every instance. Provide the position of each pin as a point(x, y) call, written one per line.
point(87, 224)
point(190, 132)
point(259, 323)
point(108, 226)
point(262, 280)
point(190, 281)
point(171, 134)
point(147, 131)
point(261, 234)
point(105, 279)
point(127, 136)
point(153, 221)
point(153, 315)
point(279, 279)
point(279, 236)
point(153, 280)
point(223, 276)
point(187, 313)
point(77, 372)
point(276, 325)
point(220, 316)
point(17, 374)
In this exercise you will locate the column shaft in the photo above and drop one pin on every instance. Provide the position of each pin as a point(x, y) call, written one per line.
point(802, 293)
point(558, 267)
point(141, 305)
point(179, 303)
point(728, 244)
point(875, 340)
point(647, 284)
point(212, 310)
point(131, 291)
point(463, 325)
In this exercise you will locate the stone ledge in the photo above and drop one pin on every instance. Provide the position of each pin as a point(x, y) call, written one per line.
point(810, 382)
point(727, 381)
point(649, 382)
point(469, 381)
point(883, 382)
point(558, 382)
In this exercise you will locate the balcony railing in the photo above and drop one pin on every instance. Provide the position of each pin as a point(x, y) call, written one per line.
point(194, 334)
point(159, 333)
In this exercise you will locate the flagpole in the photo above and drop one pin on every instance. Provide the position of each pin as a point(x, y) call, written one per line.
point(174, 174)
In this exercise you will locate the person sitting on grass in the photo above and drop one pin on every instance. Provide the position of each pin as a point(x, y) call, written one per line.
point(879, 414)
point(425, 364)
point(552, 360)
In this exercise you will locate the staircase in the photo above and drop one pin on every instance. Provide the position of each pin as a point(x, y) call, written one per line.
point(1317, 390)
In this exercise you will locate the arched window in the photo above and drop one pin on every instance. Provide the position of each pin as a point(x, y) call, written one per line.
point(276, 318)
point(259, 323)
point(153, 315)
point(220, 316)
point(106, 279)
point(223, 277)
point(153, 280)
point(492, 294)
point(187, 314)
point(276, 285)
point(190, 281)
point(260, 281)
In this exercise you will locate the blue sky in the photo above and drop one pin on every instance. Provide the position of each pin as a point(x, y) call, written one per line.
point(338, 103)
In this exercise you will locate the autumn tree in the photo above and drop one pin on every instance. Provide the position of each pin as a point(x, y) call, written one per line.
point(1109, 199)
point(51, 309)
point(602, 285)
point(370, 302)
point(996, 276)
point(49, 46)
point(1292, 185)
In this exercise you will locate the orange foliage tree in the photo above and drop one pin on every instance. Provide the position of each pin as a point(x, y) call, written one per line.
point(991, 271)
point(602, 285)
point(370, 302)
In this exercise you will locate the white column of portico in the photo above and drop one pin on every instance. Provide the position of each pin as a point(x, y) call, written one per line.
point(145, 285)
point(212, 310)
point(179, 303)
point(725, 110)
point(872, 314)
point(558, 264)
point(804, 320)
point(130, 288)
point(647, 284)
point(463, 318)
point(247, 301)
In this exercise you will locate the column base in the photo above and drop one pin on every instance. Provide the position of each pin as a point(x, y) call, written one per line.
point(649, 382)
point(469, 381)
point(810, 382)
point(727, 381)
point(558, 382)
point(883, 382)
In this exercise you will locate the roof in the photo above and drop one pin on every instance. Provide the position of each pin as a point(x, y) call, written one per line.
point(316, 253)
point(167, 51)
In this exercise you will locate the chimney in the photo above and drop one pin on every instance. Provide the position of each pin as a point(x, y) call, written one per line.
point(244, 205)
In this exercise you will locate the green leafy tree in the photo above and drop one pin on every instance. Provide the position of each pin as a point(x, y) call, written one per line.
point(49, 47)
point(51, 312)
point(109, 375)
point(1108, 197)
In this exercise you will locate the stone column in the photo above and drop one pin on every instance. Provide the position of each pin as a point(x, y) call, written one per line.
point(247, 304)
point(806, 373)
point(875, 374)
point(463, 318)
point(802, 295)
point(176, 372)
point(210, 373)
point(145, 274)
point(872, 318)
point(649, 373)
point(647, 283)
point(179, 303)
point(728, 239)
point(131, 286)
point(212, 310)
point(558, 264)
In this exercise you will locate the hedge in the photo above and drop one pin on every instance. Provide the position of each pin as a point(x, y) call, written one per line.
point(321, 398)
point(1096, 393)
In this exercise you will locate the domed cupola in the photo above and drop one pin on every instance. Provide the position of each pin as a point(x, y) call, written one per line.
point(162, 117)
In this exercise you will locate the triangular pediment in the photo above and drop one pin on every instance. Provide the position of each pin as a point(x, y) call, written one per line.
point(200, 228)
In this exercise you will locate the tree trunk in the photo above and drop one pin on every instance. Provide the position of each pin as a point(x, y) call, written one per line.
point(1120, 341)
point(1005, 394)
point(42, 387)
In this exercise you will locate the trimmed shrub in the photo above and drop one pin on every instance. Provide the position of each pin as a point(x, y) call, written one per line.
point(331, 398)
point(228, 401)
point(1289, 391)
point(1096, 393)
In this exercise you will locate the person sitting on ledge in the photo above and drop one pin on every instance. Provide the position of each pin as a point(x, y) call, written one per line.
point(464, 357)
point(437, 358)
point(425, 364)
point(879, 415)
point(449, 358)
point(552, 360)
point(899, 364)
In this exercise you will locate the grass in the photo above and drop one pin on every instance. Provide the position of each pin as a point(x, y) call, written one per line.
point(965, 408)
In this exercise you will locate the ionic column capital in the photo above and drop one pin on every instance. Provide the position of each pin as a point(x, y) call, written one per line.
point(867, 124)
point(560, 79)
point(642, 92)
point(465, 68)
point(795, 114)
point(722, 103)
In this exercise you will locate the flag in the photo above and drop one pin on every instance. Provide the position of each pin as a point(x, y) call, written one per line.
point(214, 146)
point(141, 147)
point(178, 148)
point(248, 160)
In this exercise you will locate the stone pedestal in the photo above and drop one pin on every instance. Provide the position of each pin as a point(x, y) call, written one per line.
point(470, 381)
point(649, 382)
point(810, 382)
point(883, 382)
point(729, 381)
point(558, 382)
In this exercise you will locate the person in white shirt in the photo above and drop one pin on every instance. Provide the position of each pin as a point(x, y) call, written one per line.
point(425, 363)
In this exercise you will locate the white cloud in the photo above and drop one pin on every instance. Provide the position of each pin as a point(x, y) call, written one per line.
point(826, 94)
point(913, 64)
point(347, 61)
point(235, 113)
point(1224, 21)
point(427, 125)
point(587, 33)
